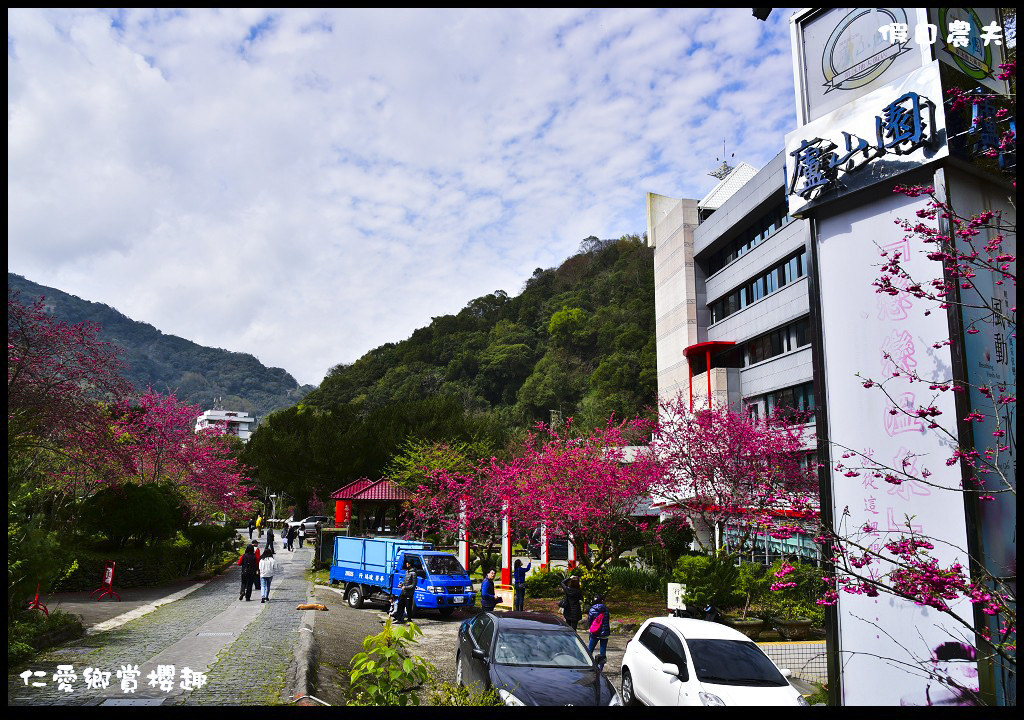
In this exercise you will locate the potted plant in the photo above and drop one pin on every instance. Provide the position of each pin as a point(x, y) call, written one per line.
point(752, 584)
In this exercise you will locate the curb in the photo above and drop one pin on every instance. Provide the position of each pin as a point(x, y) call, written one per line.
point(307, 655)
point(142, 610)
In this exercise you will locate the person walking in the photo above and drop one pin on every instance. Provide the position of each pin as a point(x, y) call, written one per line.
point(302, 534)
point(572, 608)
point(519, 584)
point(405, 599)
point(250, 571)
point(488, 600)
point(270, 540)
point(600, 628)
point(259, 526)
point(268, 566)
point(293, 534)
point(252, 527)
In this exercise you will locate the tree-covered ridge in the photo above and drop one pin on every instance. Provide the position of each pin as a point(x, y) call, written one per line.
point(170, 364)
point(579, 340)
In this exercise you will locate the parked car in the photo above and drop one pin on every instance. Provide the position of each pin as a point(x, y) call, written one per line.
point(530, 659)
point(309, 523)
point(683, 661)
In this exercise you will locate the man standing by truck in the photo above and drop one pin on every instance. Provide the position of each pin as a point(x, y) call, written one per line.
point(405, 598)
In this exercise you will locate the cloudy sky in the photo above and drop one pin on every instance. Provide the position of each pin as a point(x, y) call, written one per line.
point(305, 185)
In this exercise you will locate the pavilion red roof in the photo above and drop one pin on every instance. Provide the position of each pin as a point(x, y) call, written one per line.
point(382, 489)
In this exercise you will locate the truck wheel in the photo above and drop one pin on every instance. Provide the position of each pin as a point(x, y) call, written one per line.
point(446, 611)
point(354, 596)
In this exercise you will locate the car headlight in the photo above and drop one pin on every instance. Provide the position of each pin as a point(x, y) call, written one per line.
point(802, 701)
point(711, 700)
point(435, 589)
point(509, 698)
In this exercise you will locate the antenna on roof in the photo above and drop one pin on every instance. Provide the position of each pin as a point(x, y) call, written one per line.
point(725, 168)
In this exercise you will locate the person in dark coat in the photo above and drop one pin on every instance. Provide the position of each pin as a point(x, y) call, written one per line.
point(252, 527)
point(488, 600)
point(270, 539)
point(519, 584)
point(600, 625)
point(290, 535)
point(572, 607)
point(403, 611)
point(250, 572)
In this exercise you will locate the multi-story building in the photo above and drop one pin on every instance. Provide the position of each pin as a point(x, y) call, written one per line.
point(732, 303)
point(235, 423)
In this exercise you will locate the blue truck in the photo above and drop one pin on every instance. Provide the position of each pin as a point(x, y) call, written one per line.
point(372, 569)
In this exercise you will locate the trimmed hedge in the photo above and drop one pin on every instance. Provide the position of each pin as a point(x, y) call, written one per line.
point(155, 564)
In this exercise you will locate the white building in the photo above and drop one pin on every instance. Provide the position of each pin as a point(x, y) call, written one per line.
point(732, 304)
point(239, 424)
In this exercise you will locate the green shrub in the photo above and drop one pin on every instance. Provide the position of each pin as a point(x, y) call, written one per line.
point(545, 582)
point(708, 580)
point(638, 578)
point(798, 601)
point(143, 513)
point(461, 695)
point(593, 583)
point(206, 542)
point(29, 631)
point(385, 673)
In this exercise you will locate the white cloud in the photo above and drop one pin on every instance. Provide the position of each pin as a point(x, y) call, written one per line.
point(305, 185)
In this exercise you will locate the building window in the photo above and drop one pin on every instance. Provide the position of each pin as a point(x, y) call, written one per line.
point(795, 403)
point(790, 270)
point(753, 235)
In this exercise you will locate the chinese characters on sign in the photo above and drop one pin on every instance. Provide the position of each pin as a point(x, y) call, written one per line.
point(927, 33)
point(96, 679)
point(904, 125)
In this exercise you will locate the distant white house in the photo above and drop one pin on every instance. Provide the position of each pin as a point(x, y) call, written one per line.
point(236, 423)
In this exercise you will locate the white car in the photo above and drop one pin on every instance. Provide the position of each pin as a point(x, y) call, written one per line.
point(680, 661)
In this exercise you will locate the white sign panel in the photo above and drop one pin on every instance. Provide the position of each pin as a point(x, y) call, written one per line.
point(841, 55)
point(888, 647)
point(889, 131)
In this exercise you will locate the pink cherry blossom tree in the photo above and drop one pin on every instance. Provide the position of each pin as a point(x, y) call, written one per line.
point(159, 432)
point(585, 486)
point(724, 469)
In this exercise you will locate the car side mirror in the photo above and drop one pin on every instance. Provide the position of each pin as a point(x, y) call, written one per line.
point(670, 668)
point(786, 672)
point(478, 654)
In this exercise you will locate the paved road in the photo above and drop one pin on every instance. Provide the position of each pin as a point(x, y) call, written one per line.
point(247, 650)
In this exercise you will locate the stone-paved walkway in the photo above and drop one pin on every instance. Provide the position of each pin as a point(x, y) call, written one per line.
point(245, 649)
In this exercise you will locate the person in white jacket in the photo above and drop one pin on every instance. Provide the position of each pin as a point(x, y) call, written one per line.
point(268, 565)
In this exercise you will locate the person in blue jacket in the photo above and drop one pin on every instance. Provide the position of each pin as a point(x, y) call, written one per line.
point(599, 619)
point(487, 597)
point(519, 584)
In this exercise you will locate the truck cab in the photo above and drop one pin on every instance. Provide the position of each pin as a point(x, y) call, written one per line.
point(374, 568)
point(441, 581)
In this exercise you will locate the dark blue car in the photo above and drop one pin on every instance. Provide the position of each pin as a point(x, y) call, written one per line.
point(530, 659)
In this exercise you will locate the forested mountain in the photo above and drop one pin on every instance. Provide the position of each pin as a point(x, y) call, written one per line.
point(167, 363)
point(578, 340)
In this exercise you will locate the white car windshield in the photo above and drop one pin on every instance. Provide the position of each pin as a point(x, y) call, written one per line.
point(541, 648)
point(733, 662)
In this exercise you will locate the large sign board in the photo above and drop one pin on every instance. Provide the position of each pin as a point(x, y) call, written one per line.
point(910, 646)
point(889, 131)
point(841, 55)
point(978, 50)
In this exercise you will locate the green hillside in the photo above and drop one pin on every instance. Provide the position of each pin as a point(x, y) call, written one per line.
point(167, 363)
point(578, 340)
